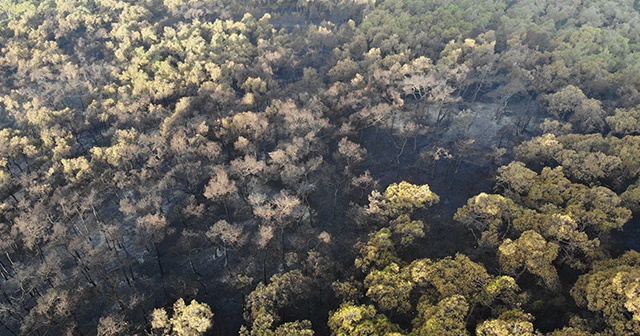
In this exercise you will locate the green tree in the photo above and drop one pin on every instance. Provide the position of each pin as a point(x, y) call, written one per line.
point(264, 304)
point(532, 253)
point(359, 320)
point(631, 197)
point(625, 121)
point(408, 229)
point(611, 290)
point(185, 320)
point(390, 288)
point(593, 54)
point(378, 252)
point(511, 322)
point(490, 215)
point(297, 328)
point(451, 276)
point(447, 317)
point(402, 198)
point(539, 149)
point(571, 104)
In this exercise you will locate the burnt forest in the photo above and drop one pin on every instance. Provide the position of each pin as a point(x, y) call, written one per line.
point(320, 167)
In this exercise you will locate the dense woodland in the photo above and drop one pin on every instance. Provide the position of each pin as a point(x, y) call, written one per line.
point(327, 167)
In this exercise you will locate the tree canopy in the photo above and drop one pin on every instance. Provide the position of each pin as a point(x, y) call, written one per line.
point(345, 167)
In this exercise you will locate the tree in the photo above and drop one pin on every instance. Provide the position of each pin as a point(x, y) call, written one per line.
point(611, 290)
point(625, 121)
point(590, 159)
point(627, 149)
point(501, 289)
point(589, 167)
point(539, 149)
point(515, 179)
point(227, 236)
point(631, 197)
point(298, 328)
point(281, 212)
point(598, 210)
point(112, 325)
point(264, 304)
point(125, 151)
point(185, 320)
point(553, 76)
point(220, 185)
point(359, 320)
point(593, 54)
point(343, 71)
point(221, 188)
point(408, 229)
point(389, 288)
point(572, 104)
point(571, 215)
point(352, 153)
point(422, 80)
point(378, 251)
point(33, 229)
point(491, 215)
point(451, 276)
point(552, 187)
point(127, 126)
point(76, 169)
point(575, 245)
point(531, 252)
point(153, 228)
point(445, 318)
point(511, 322)
point(53, 310)
point(478, 56)
point(401, 198)
point(248, 125)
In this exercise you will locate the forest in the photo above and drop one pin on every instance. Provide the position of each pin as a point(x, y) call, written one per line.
point(320, 167)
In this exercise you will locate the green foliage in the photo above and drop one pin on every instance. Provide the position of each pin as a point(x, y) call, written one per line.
point(593, 53)
point(451, 276)
point(572, 104)
point(445, 318)
point(359, 320)
point(263, 303)
point(175, 124)
point(186, 320)
point(503, 288)
point(512, 322)
point(590, 159)
point(625, 121)
point(597, 209)
point(516, 179)
point(389, 288)
point(611, 290)
point(533, 253)
point(298, 328)
point(631, 197)
point(488, 214)
point(389, 25)
point(402, 198)
point(378, 252)
point(408, 229)
point(347, 290)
